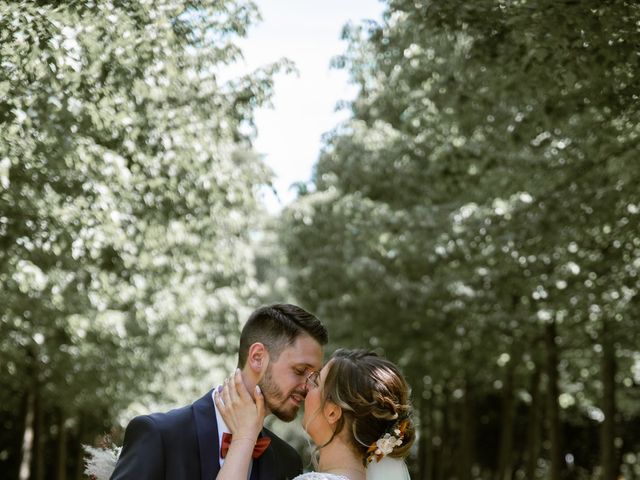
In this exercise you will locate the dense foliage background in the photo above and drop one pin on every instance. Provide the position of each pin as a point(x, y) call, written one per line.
point(129, 191)
point(475, 220)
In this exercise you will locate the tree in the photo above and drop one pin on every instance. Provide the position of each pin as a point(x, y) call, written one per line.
point(467, 211)
point(128, 193)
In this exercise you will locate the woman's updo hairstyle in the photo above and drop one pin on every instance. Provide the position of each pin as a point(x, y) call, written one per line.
point(373, 396)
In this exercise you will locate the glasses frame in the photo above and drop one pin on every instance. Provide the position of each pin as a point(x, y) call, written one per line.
point(312, 379)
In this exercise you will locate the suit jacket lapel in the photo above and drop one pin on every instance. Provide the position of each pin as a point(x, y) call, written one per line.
point(207, 428)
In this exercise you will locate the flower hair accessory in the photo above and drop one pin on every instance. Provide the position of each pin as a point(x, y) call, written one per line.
point(385, 444)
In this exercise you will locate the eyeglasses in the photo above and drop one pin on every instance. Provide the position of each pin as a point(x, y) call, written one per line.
point(312, 380)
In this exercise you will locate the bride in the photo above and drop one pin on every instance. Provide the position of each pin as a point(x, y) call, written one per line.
point(356, 411)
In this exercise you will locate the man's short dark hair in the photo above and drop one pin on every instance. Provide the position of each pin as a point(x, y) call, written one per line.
point(277, 326)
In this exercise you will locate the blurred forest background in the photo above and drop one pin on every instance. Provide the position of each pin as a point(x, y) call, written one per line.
point(476, 220)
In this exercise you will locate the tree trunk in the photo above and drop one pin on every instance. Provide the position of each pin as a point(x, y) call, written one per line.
point(442, 470)
point(467, 434)
point(437, 416)
point(62, 448)
point(27, 438)
point(424, 443)
point(430, 459)
point(533, 428)
point(506, 432)
point(552, 402)
point(39, 437)
point(79, 472)
point(607, 434)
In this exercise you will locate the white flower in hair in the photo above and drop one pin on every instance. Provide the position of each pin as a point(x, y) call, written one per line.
point(385, 444)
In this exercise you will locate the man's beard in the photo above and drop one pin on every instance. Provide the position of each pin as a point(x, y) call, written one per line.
point(275, 399)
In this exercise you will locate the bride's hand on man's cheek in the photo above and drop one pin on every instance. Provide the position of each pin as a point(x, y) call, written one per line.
point(240, 412)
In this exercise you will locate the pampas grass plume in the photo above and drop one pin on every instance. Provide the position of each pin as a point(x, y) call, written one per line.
point(100, 462)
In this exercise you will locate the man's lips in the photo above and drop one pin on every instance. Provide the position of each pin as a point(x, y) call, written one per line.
point(297, 398)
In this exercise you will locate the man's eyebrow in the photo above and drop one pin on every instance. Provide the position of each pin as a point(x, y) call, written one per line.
point(304, 364)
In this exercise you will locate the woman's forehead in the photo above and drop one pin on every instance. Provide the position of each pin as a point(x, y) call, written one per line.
point(326, 368)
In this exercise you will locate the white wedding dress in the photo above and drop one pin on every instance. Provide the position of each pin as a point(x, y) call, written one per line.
point(319, 476)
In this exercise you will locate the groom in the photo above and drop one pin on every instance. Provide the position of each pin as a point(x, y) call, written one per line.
point(280, 345)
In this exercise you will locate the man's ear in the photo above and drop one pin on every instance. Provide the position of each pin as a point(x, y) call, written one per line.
point(332, 412)
point(258, 358)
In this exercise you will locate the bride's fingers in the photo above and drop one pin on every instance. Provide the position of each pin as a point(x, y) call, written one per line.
point(241, 389)
point(233, 389)
point(226, 394)
point(260, 402)
point(218, 401)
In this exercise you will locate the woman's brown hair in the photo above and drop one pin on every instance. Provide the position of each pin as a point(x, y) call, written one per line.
point(373, 396)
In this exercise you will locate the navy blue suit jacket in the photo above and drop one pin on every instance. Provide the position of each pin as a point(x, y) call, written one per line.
point(183, 445)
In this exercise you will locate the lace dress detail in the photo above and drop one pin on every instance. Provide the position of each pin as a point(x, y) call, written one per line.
point(319, 476)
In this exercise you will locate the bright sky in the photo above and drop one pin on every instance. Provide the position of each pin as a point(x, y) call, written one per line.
point(308, 33)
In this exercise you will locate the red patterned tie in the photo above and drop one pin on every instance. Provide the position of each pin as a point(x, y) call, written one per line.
point(258, 450)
